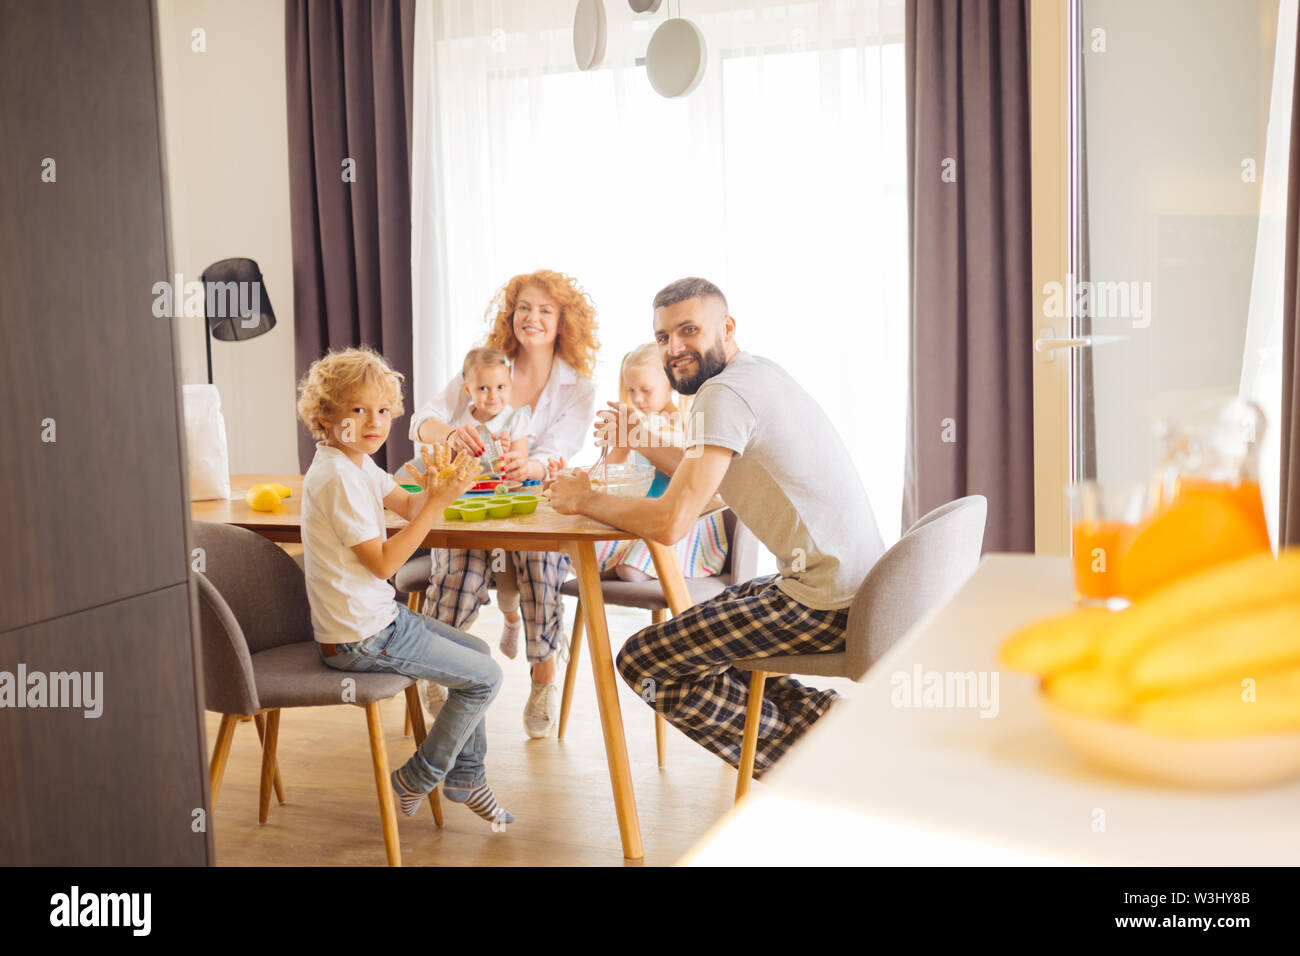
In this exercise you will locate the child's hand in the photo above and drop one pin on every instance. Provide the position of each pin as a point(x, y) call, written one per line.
point(422, 480)
point(554, 466)
point(445, 478)
point(618, 427)
point(514, 465)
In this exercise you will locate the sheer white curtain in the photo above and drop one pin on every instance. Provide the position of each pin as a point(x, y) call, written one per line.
point(781, 178)
point(1261, 367)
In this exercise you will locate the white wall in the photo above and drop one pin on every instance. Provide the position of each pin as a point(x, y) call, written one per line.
point(228, 176)
point(1174, 104)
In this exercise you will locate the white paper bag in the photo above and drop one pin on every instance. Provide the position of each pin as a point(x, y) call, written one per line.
point(205, 443)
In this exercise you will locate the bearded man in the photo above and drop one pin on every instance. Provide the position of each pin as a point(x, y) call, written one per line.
point(755, 436)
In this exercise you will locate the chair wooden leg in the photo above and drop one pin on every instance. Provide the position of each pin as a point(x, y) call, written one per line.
point(268, 764)
point(658, 616)
point(570, 671)
point(261, 736)
point(225, 734)
point(749, 745)
point(415, 714)
point(414, 602)
point(387, 805)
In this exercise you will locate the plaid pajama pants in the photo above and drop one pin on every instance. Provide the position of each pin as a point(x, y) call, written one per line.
point(688, 659)
point(458, 588)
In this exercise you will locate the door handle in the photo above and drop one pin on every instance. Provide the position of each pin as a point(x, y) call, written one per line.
point(1047, 344)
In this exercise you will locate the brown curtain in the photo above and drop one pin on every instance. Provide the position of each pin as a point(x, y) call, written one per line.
point(1288, 517)
point(970, 407)
point(349, 66)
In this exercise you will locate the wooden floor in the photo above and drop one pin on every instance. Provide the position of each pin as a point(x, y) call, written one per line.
point(558, 791)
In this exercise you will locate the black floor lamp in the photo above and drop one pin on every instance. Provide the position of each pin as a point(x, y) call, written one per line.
point(235, 303)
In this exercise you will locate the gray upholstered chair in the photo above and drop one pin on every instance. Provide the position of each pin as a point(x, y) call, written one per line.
point(936, 555)
point(259, 656)
point(740, 566)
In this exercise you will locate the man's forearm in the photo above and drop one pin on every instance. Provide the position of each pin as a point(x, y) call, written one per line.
point(649, 518)
point(664, 457)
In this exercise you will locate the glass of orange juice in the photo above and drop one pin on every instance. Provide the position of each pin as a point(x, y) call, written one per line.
point(1104, 519)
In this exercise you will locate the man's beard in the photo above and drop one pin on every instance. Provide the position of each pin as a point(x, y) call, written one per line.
point(707, 365)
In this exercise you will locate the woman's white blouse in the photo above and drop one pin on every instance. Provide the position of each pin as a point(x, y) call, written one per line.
point(563, 414)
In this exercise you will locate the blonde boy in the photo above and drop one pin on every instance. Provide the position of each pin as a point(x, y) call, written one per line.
point(348, 400)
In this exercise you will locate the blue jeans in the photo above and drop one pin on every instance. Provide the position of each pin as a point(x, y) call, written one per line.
point(419, 646)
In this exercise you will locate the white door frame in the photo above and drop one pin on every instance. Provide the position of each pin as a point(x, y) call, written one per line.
point(1049, 124)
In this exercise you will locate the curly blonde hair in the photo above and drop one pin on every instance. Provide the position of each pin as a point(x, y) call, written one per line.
point(335, 379)
point(575, 332)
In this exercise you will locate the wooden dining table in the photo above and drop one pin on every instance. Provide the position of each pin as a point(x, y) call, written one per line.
point(545, 530)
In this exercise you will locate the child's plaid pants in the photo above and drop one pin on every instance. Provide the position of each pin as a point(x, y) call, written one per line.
point(458, 587)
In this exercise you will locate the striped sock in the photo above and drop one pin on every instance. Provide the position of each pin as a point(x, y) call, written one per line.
point(482, 801)
point(408, 800)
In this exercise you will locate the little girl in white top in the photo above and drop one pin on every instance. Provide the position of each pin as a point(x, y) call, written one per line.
point(486, 377)
point(643, 384)
point(486, 380)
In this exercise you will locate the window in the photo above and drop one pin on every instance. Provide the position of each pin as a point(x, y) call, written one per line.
point(781, 178)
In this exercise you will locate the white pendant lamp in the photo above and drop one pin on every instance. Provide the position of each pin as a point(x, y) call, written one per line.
point(589, 34)
point(644, 6)
point(675, 58)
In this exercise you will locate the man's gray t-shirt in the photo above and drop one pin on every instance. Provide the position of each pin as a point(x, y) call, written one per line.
point(791, 481)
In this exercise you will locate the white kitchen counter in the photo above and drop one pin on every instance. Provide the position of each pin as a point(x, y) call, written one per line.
point(875, 783)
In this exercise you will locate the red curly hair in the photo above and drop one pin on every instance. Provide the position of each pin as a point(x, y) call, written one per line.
point(575, 330)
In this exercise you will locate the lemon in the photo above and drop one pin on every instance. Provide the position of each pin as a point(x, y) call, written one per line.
point(262, 498)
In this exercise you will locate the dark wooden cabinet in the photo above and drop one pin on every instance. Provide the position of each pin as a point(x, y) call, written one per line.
point(93, 559)
point(123, 787)
point(98, 513)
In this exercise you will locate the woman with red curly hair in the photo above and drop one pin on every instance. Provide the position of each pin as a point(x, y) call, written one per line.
point(546, 325)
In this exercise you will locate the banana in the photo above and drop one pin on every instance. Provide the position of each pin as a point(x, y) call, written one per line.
point(1216, 654)
point(1220, 648)
point(1254, 703)
point(1093, 691)
point(1223, 591)
point(1057, 643)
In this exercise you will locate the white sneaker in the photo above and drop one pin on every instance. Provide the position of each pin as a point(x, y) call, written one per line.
point(542, 711)
point(510, 637)
point(434, 696)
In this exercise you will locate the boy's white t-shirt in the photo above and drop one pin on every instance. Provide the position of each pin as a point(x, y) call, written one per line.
point(342, 506)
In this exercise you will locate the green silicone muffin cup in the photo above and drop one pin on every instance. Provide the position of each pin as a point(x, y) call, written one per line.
point(525, 504)
point(452, 511)
point(500, 507)
point(473, 512)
